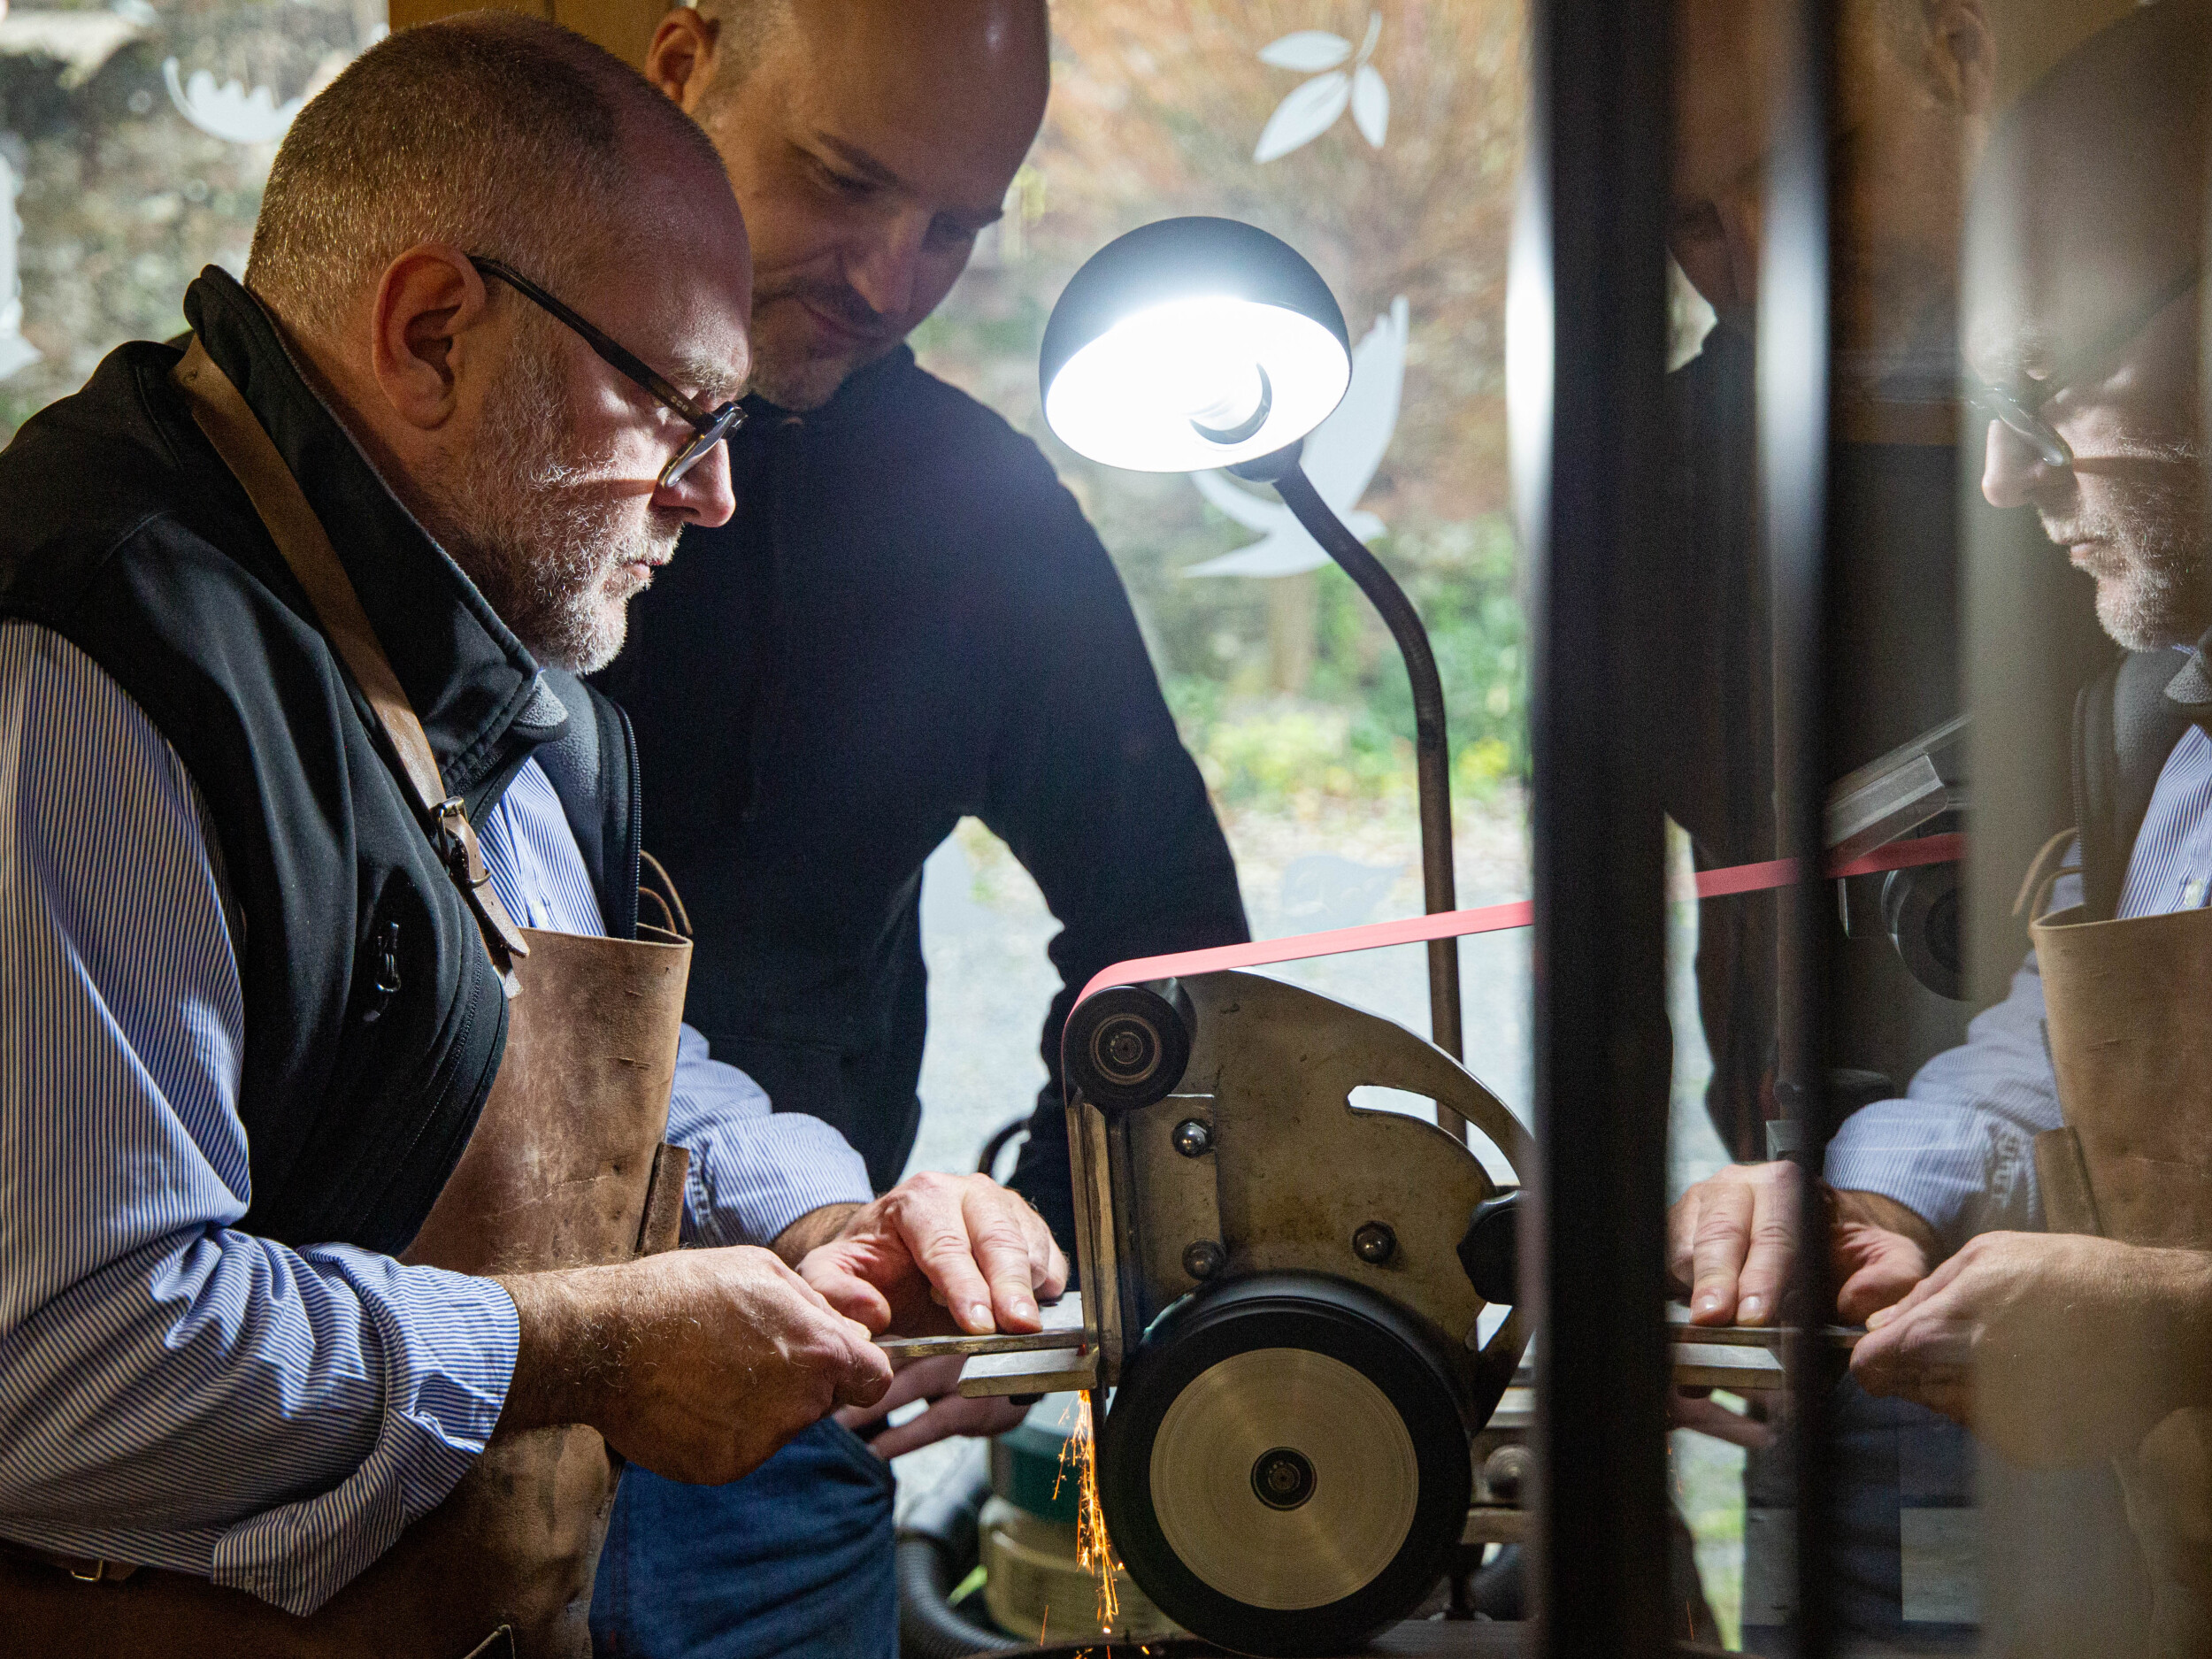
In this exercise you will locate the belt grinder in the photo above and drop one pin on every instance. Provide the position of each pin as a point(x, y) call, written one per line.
point(1274, 1284)
point(1287, 1293)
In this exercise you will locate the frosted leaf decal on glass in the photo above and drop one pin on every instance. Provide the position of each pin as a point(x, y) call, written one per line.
point(229, 111)
point(1304, 115)
point(1309, 50)
point(1370, 105)
point(1343, 456)
point(15, 351)
point(1311, 109)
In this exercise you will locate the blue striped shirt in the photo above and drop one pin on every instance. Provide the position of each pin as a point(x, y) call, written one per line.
point(1956, 1149)
point(173, 1391)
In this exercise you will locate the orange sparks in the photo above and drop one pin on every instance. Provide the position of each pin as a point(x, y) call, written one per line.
point(1079, 1457)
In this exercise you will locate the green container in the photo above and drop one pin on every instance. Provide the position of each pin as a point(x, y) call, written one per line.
point(1026, 1465)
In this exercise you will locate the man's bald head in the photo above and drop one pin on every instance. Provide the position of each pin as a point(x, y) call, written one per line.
point(458, 131)
point(869, 141)
point(2083, 300)
point(1913, 86)
point(2093, 191)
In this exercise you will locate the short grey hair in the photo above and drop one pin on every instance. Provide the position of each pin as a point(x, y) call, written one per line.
point(493, 131)
point(742, 31)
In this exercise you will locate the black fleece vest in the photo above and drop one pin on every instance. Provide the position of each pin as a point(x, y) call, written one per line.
point(122, 531)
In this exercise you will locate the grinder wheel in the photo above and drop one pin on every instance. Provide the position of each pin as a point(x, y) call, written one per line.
point(1285, 1468)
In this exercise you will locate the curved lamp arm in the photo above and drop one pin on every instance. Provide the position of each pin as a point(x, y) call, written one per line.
point(1432, 753)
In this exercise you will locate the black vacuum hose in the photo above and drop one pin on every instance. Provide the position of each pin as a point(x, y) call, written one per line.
point(937, 1547)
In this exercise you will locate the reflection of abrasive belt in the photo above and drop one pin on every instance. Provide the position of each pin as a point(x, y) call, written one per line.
point(1494, 919)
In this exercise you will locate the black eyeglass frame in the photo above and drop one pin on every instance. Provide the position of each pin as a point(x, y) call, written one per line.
point(708, 427)
point(2017, 405)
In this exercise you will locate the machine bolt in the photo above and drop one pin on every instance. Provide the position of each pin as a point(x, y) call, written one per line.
point(1125, 1049)
point(1505, 1473)
point(1283, 1478)
point(1194, 1137)
point(1203, 1259)
point(1375, 1243)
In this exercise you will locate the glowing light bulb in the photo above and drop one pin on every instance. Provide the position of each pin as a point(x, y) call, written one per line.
point(1192, 344)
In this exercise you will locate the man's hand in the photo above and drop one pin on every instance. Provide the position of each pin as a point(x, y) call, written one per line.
point(1696, 1409)
point(961, 1243)
point(1731, 1242)
point(697, 1364)
point(2054, 1348)
point(1879, 1250)
point(935, 1381)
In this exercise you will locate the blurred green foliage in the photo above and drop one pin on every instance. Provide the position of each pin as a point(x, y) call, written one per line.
point(1350, 733)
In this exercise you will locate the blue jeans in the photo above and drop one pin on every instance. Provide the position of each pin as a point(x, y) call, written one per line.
point(794, 1560)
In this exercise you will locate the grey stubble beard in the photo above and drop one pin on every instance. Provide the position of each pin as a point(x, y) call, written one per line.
point(2154, 570)
point(534, 531)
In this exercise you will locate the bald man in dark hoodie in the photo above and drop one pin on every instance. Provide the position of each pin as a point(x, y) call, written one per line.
point(908, 621)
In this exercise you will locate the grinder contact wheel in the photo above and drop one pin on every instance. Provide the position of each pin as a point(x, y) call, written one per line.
point(1285, 1467)
point(1127, 1046)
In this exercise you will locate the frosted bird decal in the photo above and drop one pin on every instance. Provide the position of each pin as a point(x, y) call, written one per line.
point(1322, 891)
point(15, 351)
point(229, 111)
point(1342, 456)
point(1311, 109)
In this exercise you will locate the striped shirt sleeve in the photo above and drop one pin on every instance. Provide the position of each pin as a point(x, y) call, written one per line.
point(174, 1392)
point(754, 1170)
point(1958, 1150)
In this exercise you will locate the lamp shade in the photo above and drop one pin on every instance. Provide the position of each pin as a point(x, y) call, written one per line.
point(1192, 343)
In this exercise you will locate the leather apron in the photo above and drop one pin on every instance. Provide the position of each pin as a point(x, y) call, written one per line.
point(2130, 1028)
point(565, 1168)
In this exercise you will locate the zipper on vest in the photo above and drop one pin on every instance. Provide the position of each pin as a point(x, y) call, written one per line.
point(384, 955)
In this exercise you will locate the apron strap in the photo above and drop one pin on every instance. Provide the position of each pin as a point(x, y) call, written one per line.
point(662, 892)
point(2044, 871)
point(247, 450)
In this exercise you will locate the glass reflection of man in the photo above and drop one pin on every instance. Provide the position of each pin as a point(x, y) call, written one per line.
point(2089, 224)
point(1914, 88)
point(907, 622)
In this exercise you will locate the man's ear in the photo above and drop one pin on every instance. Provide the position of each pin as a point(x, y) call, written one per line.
point(1963, 54)
point(681, 60)
point(421, 324)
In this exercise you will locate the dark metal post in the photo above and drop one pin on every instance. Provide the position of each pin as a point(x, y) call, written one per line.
point(1795, 394)
point(1593, 238)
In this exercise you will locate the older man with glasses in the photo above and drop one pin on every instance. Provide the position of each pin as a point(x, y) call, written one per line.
point(346, 1114)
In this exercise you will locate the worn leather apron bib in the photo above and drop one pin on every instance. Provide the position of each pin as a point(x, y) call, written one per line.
point(565, 1168)
point(2130, 1024)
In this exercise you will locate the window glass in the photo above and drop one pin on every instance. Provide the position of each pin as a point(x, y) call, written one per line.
point(134, 142)
point(1383, 143)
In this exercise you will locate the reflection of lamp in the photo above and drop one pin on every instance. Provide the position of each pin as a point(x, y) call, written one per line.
point(1196, 343)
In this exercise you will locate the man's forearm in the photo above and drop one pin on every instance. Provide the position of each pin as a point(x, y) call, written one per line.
point(811, 1231)
point(568, 1353)
point(1878, 1210)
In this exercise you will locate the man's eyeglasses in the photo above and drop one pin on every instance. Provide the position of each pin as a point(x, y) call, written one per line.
point(709, 427)
point(2019, 405)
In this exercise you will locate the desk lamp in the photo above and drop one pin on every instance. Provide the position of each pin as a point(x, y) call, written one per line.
point(1196, 343)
